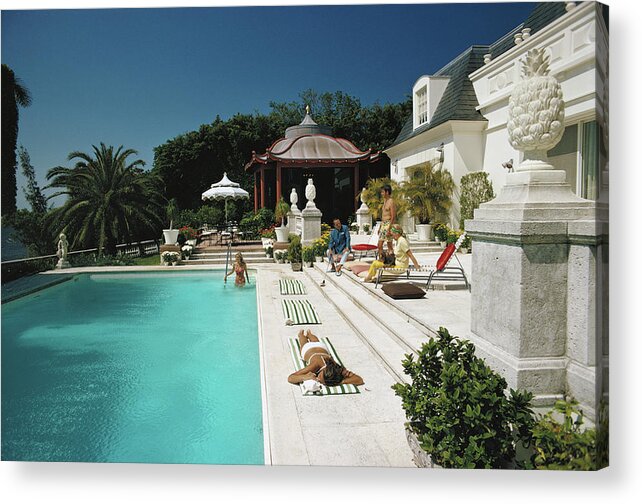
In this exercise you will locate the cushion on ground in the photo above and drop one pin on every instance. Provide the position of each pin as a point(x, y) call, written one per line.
point(358, 268)
point(403, 290)
point(350, 264)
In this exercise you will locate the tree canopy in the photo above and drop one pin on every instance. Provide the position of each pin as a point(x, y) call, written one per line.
point(109, 199)
point(190, 163)
point(14, 94)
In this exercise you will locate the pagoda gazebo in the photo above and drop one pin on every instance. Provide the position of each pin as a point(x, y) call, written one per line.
point(338, 168)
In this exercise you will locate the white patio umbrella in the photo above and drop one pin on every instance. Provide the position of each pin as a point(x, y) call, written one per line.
point(223, 190)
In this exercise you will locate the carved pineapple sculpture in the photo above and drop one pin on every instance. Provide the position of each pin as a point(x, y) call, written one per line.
point(536, 108)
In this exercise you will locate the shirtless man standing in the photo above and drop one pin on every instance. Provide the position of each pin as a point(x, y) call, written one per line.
point(388, 217)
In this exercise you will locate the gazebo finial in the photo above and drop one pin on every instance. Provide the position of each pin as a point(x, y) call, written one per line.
point(307, 109)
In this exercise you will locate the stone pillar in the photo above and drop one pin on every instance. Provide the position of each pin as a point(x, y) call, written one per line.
point(363, 215)
point(311, 216)
point(538, 264)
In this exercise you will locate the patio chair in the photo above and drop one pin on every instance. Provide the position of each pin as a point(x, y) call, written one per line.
point(441, 271)
point(371, 246)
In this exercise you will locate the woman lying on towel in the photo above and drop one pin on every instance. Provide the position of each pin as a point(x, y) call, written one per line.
point(403, 254)
point(320, 365)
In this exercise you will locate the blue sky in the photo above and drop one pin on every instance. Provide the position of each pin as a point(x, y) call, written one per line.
point(139, 77)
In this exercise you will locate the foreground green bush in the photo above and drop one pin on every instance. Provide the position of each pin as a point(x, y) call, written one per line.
point(565, 445)
point(457, 406)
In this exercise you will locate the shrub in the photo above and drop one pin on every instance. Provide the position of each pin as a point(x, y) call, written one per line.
point(458, 408)
point(281, 211)
point(366, 228)
point(188, 232)
point(475, 189)
point(441, 232)
point(210, 215)
point(308, 254)
point(294, 248)
point(452, 236)
point(565, 445)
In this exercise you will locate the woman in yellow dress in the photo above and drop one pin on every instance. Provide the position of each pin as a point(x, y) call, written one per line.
point(402, 251)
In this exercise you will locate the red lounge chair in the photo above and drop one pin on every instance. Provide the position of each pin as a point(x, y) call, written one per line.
point(364, 248)
point(441, 270)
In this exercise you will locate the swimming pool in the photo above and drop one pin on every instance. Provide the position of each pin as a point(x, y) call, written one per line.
point(150, 367)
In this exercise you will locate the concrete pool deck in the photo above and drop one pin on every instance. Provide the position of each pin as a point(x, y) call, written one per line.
point(371, 334)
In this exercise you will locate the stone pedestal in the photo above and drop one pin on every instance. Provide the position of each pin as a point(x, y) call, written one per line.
point(538, 282)
point(364, 217)
point(294, 221)
point(63, 263)
point(311, 224)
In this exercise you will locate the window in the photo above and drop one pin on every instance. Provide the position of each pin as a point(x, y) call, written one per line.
point(581, 153)
point(422, 105)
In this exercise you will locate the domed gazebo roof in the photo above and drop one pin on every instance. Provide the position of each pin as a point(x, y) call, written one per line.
point(311, 143)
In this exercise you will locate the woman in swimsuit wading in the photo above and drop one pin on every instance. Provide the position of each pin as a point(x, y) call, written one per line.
point(320, 365)
point(240, 268)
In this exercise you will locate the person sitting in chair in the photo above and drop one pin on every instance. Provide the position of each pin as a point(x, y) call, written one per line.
point(402, 251)
point(338, 246)
point(321, 366)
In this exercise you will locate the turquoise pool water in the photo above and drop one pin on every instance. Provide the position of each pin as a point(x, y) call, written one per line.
point(157, 368)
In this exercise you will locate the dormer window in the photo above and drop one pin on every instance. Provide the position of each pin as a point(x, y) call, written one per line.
point(422, 105)
point(426, 95)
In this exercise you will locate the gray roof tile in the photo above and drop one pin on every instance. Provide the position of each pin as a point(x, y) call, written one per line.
point(459, 101)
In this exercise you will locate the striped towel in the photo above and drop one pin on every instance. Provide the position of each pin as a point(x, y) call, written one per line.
point(291, 286)
point(295, 352)
point(299, 311)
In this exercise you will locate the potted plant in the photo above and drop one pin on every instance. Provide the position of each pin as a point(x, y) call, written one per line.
point(268, 235)
point(170, 258)
point(171, 212)
point(294, 252)
point(429, 193)
point(465, 244)
point(308, 256)
point(189, 233)
point(457, 407)
point(441, 234)
point(452, 236)
point(186, 251)
point(280, 213)
point(269, 251)
point(366, 229)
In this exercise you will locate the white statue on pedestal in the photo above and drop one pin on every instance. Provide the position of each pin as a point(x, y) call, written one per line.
point(294, 199)
point(61, 253)
point(310, 193)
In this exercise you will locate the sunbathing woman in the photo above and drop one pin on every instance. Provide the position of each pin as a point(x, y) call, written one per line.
point(240, 268)
point(321, 367)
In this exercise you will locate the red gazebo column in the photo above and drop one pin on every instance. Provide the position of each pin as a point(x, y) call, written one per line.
point(256, 193)
point(278, 182)
point(262, 187)
point(356, 185)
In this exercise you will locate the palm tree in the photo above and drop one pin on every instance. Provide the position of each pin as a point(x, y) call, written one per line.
point(13, 94)
point(108, 199)
point(429, 192)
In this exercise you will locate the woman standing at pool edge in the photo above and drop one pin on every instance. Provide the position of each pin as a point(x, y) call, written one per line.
point(240, 268)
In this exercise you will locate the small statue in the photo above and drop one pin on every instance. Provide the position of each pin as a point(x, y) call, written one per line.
point(61, 252)
point(310, 192)
point(294, 199)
